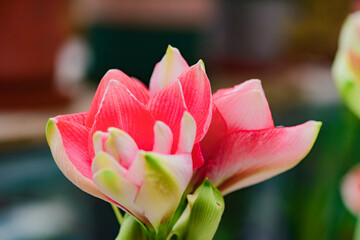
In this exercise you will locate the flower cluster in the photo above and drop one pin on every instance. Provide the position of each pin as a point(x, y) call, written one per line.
point(143, 149)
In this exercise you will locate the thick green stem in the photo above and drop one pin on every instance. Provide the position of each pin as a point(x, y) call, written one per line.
point(117, 212)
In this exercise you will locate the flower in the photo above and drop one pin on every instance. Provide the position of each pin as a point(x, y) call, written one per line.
point(242, 146)
point(350, 190)
point(346, 67)
point(136, 147)
point(139, 148)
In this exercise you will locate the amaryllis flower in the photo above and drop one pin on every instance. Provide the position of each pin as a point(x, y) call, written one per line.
point(242, 146)
point(346, 67)
point(139, 148)
point(350, 190)
point(136, 147)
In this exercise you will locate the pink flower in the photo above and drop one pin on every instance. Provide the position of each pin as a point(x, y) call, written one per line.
point(242, 146)
point(350, 190)
point(134, 146)
point(138, 148)
point(346, 66)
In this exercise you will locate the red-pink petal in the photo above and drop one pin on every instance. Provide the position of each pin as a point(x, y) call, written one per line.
point(247, 157)
point(244, 110)
point(168, 106)
point(139, 89)
point(120, 109)
point(198, 159)
point(135, 86)
point(74, 137)
point(217, 130)
point(74, 163)
point(197, 94)
point(76, 118)
point(252, 84)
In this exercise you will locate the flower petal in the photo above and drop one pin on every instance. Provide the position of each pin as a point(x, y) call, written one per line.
point(76, 118)
point(99, 139)
point(73, 138)
point(104, 160)
point(187, 133)
point(136, 171)
point(245, 110)
point(197, 94)
point(122, 145)
point(165, 179)
point(197, 156)
point(217, 130)
point(120, 109)
point(252, 84)
point(137, 88)
point(245, 157)
point(168, 106)
point(350, 190)
point(121, 190)
point(64, 139)
point(167, 70)
point(163, 138)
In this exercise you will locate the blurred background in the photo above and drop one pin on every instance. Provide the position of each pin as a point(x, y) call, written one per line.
point(53, 54)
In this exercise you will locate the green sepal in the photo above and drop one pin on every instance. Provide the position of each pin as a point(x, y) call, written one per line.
point(202, 216)
point(131, 229)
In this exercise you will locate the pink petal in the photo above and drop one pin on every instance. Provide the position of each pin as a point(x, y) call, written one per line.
point(217, 130)
point(76, 117)
point(253, 84)
point(246, 157)
point(122, 146)
point(67, 142)
point(137, 88)
point(75, 140)
point(197, 156)
point(120, 109)
point(168, 106)
point(167, 70)
point(350, 190)
point(244, 110)
point(197, 94)
point(99, 139)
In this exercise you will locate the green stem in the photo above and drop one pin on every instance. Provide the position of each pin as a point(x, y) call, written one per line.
point(117, 212)
point(357, 229)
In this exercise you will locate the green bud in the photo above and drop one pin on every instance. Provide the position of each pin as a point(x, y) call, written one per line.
point(202, 216)
point(131, 229)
